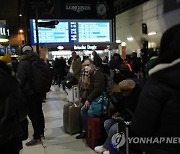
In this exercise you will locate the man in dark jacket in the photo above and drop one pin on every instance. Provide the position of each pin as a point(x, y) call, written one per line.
point(158, 112)
point(34, 99)
point(97, 61)
point(12, 112)
point(96, 88)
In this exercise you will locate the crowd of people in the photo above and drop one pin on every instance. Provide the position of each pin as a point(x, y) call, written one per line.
point(150, 92)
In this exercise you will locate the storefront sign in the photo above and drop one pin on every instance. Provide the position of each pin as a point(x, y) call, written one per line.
point(4, 32)
point(78, 7)
point(85, 47)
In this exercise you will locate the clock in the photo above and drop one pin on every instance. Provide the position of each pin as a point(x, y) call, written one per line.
point(101, 9)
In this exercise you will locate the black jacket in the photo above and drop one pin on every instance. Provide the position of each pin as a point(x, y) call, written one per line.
point(158, 110)
point(12, 107)
point(125, 102)
point(24, 72)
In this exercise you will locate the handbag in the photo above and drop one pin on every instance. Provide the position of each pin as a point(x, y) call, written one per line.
point(98, 106)
point(70, 81)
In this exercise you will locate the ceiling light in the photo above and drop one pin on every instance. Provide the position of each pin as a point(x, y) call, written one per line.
point(130, 38)
point(152, 33)
point(4, 40)
point(123, 44)
point(21, 31)
point(20, 15)
point(60, 47)
point(118, 41)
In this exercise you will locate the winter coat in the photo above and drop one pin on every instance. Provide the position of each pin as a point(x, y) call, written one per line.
point(76, 67)
point(97, 85)
point(97, 60)
point(158, 110)
point(24, 72)
point(12, 108)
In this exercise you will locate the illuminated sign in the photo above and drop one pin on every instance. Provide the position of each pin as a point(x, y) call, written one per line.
point(73, 32)
point(4, 33)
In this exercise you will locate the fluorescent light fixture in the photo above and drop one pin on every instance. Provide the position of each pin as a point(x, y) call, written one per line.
point(118, 41)
point(108, 46)
point(130, 38)
point(21, 31)
point(152, 33)
point(4, 40)
point(60, 47)
point(123, 44)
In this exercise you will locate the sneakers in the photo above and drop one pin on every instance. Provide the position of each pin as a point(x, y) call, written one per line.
point(81, 136)
point(33, 142)
point(99, 149)
point(106, 152)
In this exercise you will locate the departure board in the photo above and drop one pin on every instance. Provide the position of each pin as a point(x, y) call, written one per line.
point(94, 31)
point(73, 32)
point(52, 35)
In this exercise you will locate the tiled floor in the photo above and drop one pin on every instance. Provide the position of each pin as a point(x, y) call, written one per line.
point(57, 141)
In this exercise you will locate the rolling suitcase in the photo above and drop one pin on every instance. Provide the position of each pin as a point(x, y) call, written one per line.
point(73, 94)
point(71, 118)
point(95, 132)
point(123, 127)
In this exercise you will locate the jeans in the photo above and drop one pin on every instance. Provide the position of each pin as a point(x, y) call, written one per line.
point(84, 115)
point(63, 85)
point(111, 128)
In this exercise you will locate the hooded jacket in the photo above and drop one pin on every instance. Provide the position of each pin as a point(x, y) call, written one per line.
point(24, 72)
point(158, 110)
point(12, 107)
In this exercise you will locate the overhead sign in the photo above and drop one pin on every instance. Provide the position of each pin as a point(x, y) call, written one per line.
point(4, 32)
point(78, 7)
point(85, 47)
point(73, 32)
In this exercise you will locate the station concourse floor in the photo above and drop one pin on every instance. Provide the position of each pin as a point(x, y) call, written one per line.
point(56, 140)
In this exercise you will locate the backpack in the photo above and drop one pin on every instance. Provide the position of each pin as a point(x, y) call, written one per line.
point(41, 76)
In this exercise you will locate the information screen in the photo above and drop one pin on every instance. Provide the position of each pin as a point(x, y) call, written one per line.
point(73, 32)
point(94, 31)
point(50, 35)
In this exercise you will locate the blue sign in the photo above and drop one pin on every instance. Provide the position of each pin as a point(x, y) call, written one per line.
point(73, 32)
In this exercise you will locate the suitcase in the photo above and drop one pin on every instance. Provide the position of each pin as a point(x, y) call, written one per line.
point(95, 133)
point(123, 126)
point(73, 94)
point(71, 118)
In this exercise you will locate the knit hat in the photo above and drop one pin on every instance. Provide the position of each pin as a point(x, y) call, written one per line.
point(26, 49)
point(127, 85)
point(7, 58)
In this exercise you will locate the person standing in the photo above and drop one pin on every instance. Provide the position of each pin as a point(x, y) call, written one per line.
point(158, 110)
point(13, 111)
point(25, 75)
point(75, 65)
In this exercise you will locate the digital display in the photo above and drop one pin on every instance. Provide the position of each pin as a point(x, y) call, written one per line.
point(73, 32)
point(94, 31)
point(51, 35)
point(2, 51)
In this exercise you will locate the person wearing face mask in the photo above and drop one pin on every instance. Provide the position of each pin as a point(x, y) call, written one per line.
point(95, 87)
